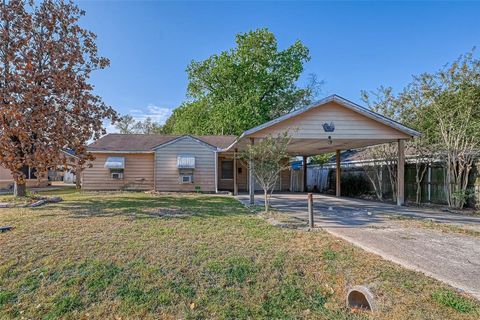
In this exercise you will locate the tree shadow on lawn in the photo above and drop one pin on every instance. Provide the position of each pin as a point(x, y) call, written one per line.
point(144, 207)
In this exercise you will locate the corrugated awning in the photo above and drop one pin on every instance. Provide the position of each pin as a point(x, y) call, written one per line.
point(185, 162)
point(115, 163)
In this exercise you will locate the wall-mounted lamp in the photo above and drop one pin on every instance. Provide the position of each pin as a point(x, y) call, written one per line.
point(330, 140)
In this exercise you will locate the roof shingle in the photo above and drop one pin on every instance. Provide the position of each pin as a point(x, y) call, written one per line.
point(146, 142)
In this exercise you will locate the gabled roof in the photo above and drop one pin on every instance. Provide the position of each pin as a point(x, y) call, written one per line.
point(194, 138)
point(141, 143)
point(343, 102)
point(145, 143)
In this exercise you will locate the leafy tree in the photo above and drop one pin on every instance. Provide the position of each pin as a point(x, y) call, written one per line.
point(147, 126)
point(126, 124)
point(425, 147)
point(243, 87)
point(398, 108)
point(322, 159)
point(46, 101)
point(269, 157)
point(380, 157)
point(189, 118)
point(384, 155)
point(450, 118)
point(445, 107)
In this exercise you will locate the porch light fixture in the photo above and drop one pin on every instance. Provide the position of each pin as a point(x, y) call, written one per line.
point(328, 127)
point(330, 141)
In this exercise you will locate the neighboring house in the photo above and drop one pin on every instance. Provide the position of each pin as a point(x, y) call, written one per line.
point(207, 163)
point(6, 178)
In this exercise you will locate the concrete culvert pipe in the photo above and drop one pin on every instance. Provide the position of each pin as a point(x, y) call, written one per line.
point(360, 297)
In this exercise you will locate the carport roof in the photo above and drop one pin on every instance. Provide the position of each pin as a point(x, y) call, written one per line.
point(353, 127)
point(341, 101)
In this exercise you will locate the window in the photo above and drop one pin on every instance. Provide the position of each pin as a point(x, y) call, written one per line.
point(227, 169)
point(116, 166)
point(30, 173)
point(185, 162)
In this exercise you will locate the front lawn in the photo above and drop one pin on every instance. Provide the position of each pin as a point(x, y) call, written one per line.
point(135, 255)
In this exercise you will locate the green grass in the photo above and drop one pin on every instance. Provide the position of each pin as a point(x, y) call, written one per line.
point(115, 254)
point(454, 300)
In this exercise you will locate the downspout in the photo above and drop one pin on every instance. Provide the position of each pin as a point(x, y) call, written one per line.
point(215, 154)
point(155, 171)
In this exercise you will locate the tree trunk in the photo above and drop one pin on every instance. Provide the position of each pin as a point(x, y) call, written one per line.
point(419, 175)
point(375, 178)
point(78, 179)
point(265, 191)
point(20, 189)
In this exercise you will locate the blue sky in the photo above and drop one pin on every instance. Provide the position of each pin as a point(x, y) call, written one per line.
point(353, 45)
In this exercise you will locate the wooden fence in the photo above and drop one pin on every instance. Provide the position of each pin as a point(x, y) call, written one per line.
point(355, 182)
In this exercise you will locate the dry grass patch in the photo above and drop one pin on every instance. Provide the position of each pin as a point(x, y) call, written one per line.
point(411, 222)
point(106, 255)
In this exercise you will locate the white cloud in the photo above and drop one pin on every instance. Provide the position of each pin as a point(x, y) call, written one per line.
point(156, 113)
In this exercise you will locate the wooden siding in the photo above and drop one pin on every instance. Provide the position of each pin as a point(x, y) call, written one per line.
point(167, 173)
point(138, 173)
point(348, 125)
point(5, 177)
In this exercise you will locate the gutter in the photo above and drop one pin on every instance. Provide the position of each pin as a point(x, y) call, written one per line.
point(117, 151)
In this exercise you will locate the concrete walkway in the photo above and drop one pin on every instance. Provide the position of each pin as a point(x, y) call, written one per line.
point(449, 257)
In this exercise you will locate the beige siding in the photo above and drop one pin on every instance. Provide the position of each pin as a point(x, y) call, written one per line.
point(167, 173)
point(6, 178)
point(138, 173)
point(348, 125)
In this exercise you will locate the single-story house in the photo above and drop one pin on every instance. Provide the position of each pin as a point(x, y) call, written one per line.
point(31, 179)
point(208, 164)
point(166, 163)
point(6, 178)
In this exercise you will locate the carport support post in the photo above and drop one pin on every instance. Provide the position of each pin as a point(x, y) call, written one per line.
point(304, 174)
point(311, 223)
point(338, 173)
point(401, 173)
point(251, 181)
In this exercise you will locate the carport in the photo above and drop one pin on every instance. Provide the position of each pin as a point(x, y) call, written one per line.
point(332, 124)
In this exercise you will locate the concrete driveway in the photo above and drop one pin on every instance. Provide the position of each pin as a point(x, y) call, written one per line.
point(449, 257)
